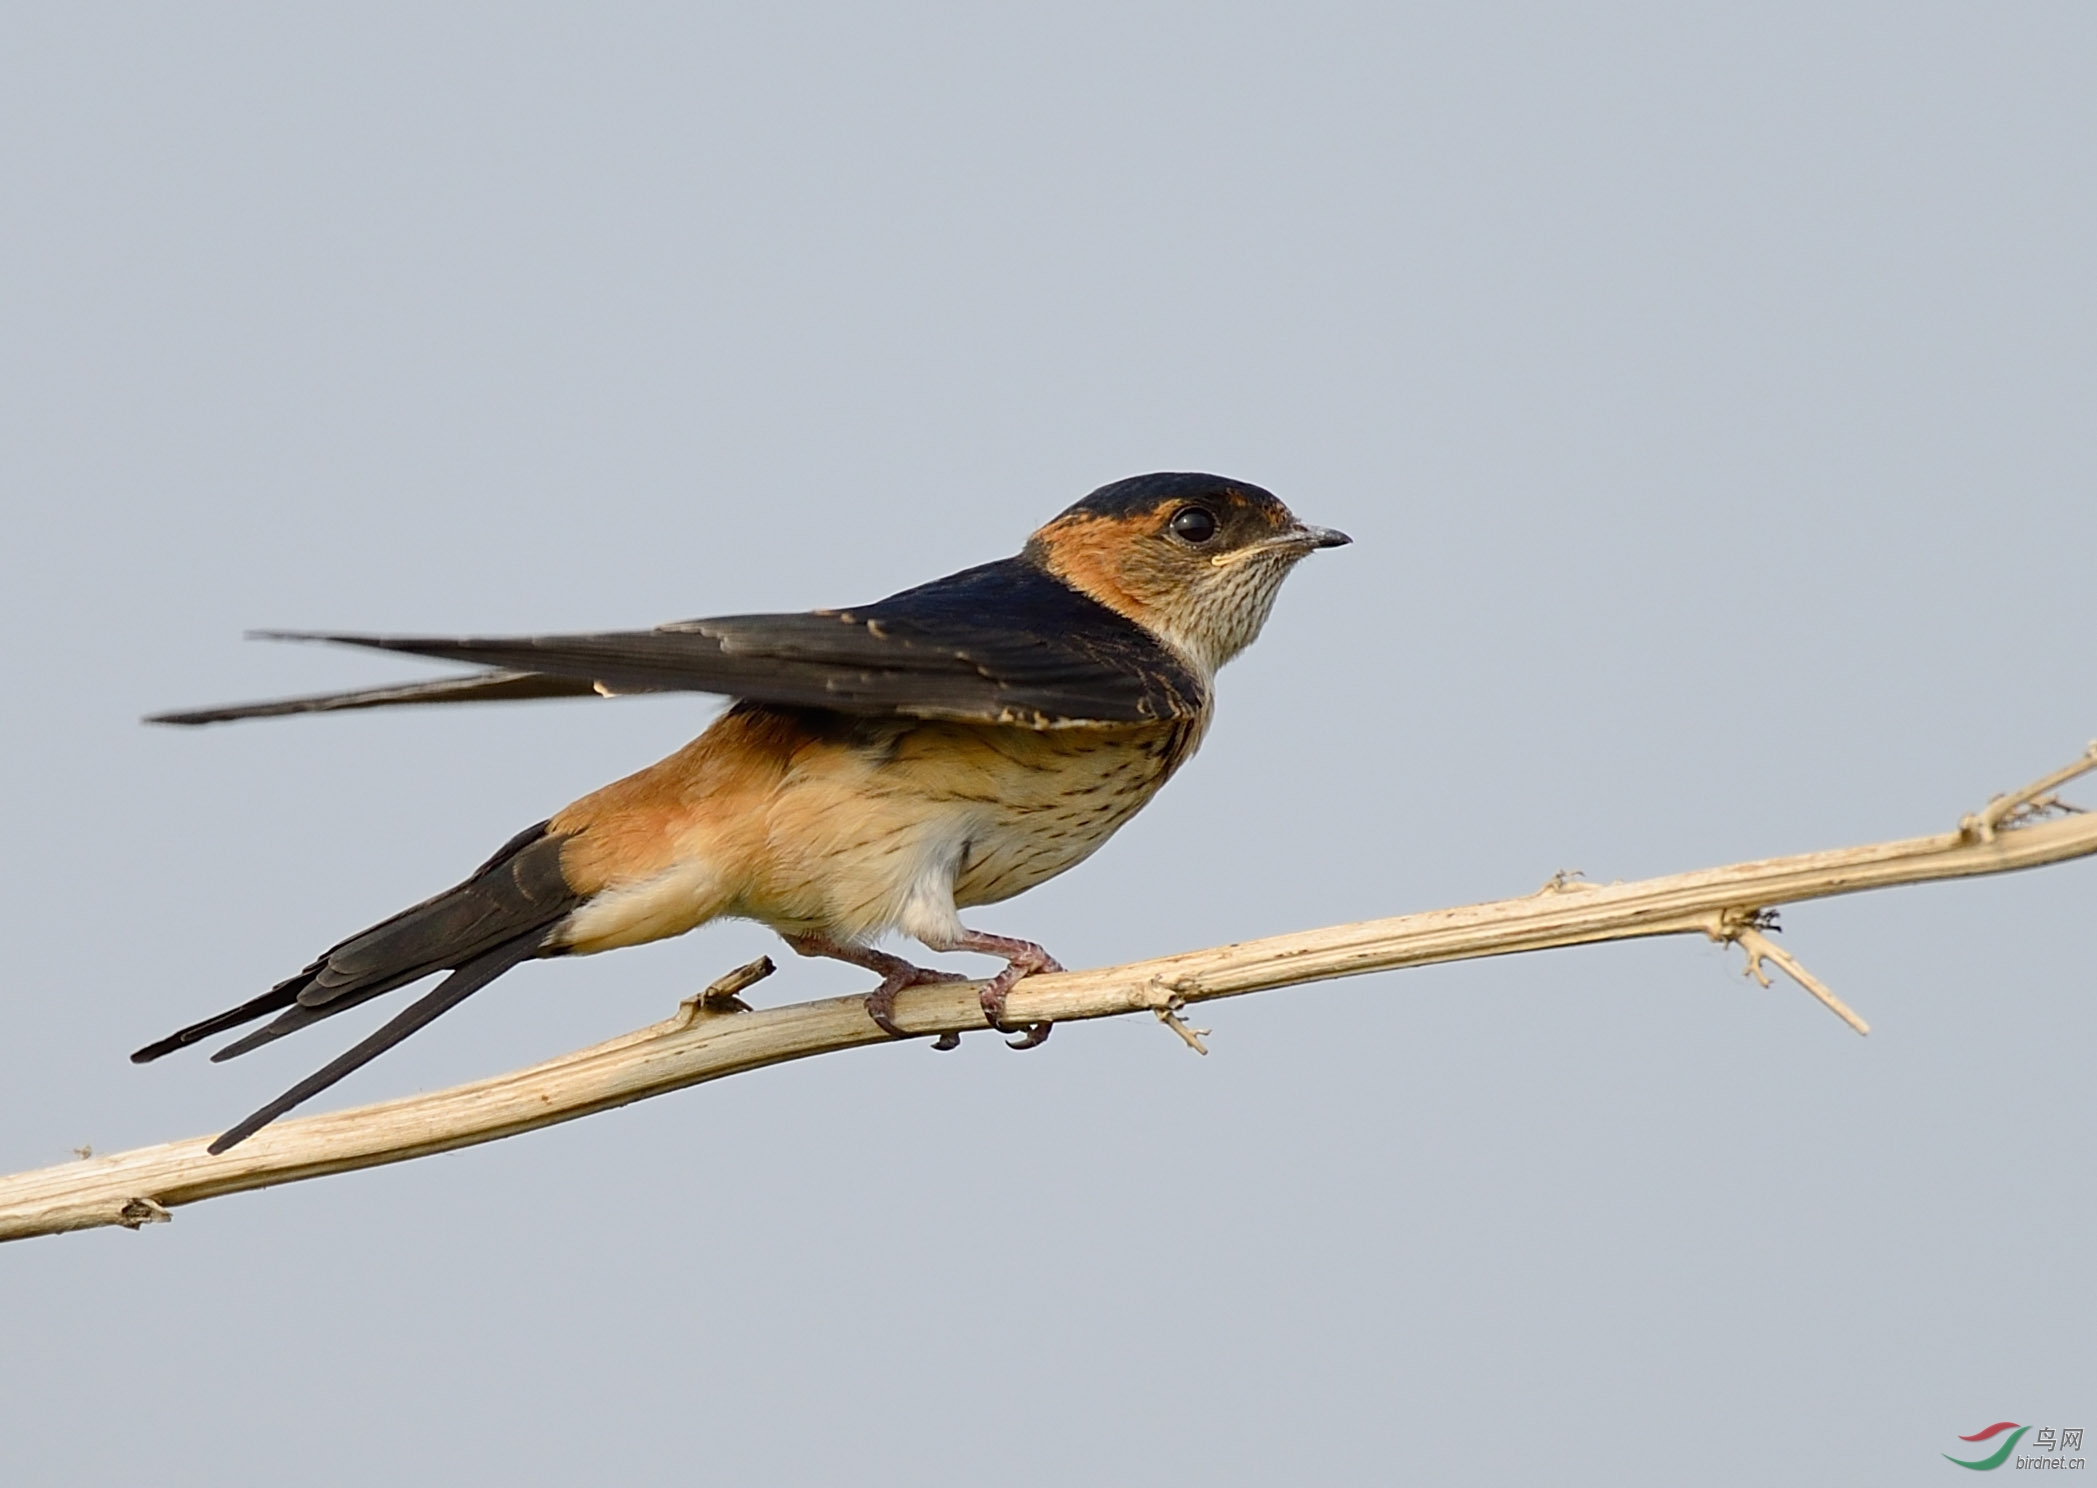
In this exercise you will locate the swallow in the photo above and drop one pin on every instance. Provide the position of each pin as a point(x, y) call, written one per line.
point(879, 769)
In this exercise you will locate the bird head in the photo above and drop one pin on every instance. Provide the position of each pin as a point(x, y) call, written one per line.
point(1195, 559)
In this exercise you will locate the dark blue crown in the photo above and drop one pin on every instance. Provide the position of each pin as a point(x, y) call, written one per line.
point(1146, 493)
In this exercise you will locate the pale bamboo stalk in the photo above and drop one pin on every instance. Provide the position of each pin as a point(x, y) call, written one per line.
point(710, 1037)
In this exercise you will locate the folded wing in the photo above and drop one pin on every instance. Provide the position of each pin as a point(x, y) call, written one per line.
point(481, 687)
point(1003, 643)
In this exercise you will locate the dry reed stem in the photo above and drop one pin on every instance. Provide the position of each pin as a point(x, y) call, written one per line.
point(708, 1038)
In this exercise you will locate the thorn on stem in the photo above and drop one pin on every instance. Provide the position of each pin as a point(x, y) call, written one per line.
point(1168, 1003)
point(1745, 927)
point(721, 994)
point(2034, 803)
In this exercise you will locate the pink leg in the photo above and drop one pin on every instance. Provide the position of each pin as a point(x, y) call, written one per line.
point(895, 973)
point(1022, 958)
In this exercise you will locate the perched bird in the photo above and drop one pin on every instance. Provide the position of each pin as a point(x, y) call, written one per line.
point(881, 767)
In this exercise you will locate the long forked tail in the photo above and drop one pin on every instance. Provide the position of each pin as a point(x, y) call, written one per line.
point(468, 979)
point(498, 917)
point(283, 995)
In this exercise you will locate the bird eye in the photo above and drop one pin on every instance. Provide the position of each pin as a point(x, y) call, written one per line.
point(1195, 524)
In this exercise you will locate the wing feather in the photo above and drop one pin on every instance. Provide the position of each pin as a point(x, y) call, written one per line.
point(1003, 643)
point(481, 687)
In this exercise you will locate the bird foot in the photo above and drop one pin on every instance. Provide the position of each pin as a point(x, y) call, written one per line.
point(881, 1002)
point(896, 974)
point(1024, 958)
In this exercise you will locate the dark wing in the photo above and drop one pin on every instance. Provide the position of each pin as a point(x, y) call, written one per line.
point(1003, 643)
point(481, 687)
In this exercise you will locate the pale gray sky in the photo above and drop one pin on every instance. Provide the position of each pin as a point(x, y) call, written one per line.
point(1710, 397)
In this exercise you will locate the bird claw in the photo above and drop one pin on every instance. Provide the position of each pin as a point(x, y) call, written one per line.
point(1035, 1035)
point(1031, 1035)
point(881, 1007)
point(881, 1002)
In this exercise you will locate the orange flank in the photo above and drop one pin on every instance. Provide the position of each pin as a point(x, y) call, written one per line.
point(849, 829)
